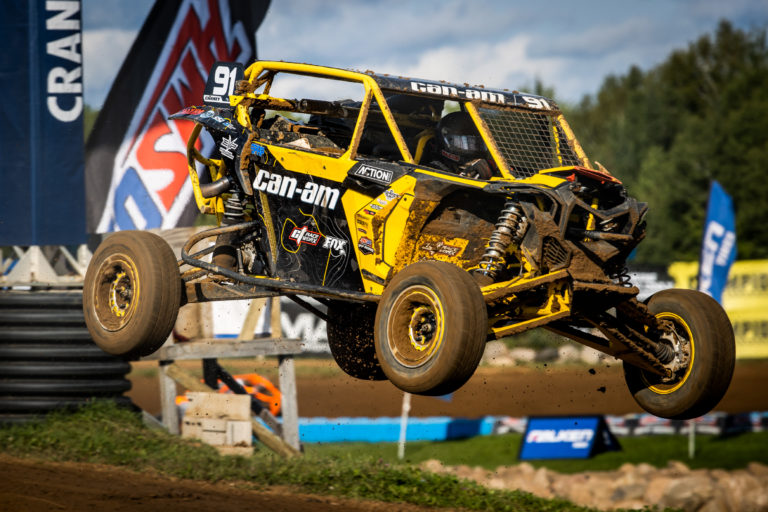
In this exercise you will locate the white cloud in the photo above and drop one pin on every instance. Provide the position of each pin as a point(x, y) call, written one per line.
point(504, 64)
point(103, 53)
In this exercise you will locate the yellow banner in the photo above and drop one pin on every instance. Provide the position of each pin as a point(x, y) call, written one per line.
point(745, 299)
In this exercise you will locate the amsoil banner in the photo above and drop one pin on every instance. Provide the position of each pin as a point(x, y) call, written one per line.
point(41, 115)
point(136, 167)
point(745, 299)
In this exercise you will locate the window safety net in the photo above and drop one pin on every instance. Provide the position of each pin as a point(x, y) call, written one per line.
point(529, 141)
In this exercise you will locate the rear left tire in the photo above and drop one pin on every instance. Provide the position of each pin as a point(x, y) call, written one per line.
point(132, 293)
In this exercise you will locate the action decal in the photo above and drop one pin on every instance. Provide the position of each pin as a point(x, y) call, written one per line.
point(382, 176)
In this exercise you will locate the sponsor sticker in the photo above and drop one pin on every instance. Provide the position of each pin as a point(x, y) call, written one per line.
point(227, 147)
point(365, 245)
point(382, 176)
point(391, 194)
point(303, 235)
point(257, 149)
point(337, 246)
point(193, 111)
point(441, 248)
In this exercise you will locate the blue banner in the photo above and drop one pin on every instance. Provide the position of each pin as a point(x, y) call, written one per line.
point(577, 437)
point(718, 246)
point(42, 198)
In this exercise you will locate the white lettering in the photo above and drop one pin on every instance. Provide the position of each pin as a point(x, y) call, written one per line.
point(714, 230)
point(258, 185)
point(65, 116)
point(62, 81)
point(61, 20)
point(66, 48)
point(288, 187)
point(537, 102)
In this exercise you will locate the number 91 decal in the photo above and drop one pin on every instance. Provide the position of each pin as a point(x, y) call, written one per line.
point(221, 83)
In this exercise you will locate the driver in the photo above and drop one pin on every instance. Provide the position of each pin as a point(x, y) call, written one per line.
point(459, 148)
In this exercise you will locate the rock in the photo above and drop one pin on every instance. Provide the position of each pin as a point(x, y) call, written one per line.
point(634, 491)
point(567, 353)
point(523, 354)
point(657, 488)
point(541, 478)
point(740, 490)
point(546, 355)
point(688, 493)
point(645, 469)
point(526, 468)
point(493, 350)
point(432, 465)
point(590, 355)
point(758, 469)
point(715, 505)
point(677, 468)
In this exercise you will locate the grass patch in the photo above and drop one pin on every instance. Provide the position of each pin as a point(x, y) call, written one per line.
point(491, 452)
point(104, 434)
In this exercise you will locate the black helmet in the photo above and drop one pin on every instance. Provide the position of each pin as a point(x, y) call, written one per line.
point(459, 140)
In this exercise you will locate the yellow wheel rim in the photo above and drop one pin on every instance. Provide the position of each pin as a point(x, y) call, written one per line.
point(665, 389)
point(416, 326)
point(116, 292)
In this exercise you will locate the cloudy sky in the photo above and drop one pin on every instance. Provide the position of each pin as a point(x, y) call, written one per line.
point(568, 45)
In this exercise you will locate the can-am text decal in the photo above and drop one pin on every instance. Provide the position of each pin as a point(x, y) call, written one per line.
point(454, 92)
point(288, 187)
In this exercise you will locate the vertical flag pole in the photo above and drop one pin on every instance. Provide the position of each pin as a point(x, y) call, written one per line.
point(403, 425)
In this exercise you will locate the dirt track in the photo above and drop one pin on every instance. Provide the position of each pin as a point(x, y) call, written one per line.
point(27, 486)
point(491, 391)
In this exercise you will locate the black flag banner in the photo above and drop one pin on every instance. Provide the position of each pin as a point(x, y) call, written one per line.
point(136, 168)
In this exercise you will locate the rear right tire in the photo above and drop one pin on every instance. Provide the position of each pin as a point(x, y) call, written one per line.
point(704, 338)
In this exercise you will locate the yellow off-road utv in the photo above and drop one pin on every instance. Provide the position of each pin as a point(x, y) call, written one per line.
point(428, 217)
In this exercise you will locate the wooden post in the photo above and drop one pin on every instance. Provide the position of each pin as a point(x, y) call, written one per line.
point(252, 319)
point(287, 376)
point(168, 401)
point(276, 328)
point(263, 434)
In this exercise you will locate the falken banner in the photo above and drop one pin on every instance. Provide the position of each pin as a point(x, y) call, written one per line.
point(41, 114)
point(136, 166)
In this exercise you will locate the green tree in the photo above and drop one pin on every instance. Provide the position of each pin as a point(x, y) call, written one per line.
point(701, 115)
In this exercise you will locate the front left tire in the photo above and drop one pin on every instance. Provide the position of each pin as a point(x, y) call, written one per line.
point(430, 328)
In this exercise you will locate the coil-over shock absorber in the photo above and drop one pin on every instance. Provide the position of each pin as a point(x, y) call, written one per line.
point(225, 255)
point(510, 229)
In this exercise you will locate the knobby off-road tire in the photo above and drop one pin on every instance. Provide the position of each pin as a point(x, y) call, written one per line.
point(430, 328)
point(350, 337)
point(132, 294)
point(706, 332)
